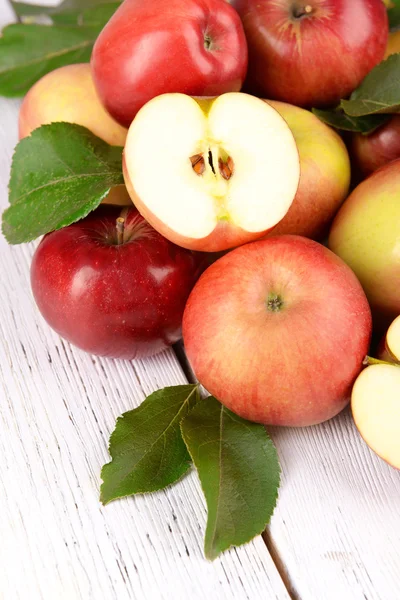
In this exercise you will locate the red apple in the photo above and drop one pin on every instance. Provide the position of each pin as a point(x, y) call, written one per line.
point(370, 152)
point(277, 330)
point(312, 52)
point(110, 292)
point(151, 47)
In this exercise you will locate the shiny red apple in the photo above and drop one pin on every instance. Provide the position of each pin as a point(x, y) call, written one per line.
point(113, 289)
point(151, 47)
point(370, 152)
point(312, 52)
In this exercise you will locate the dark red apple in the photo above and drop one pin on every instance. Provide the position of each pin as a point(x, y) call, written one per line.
point(311, 52)
point(110, 292)
point(151, 47)
point(370, 152)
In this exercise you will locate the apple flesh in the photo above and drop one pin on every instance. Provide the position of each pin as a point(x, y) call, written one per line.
point(312, 53)
point(370, 152)
point(113, 293)
point(389, 349)
point(195, 47)
point(375, 404)
point(277, 330)
point(68, 94)
point(366, 235)
point(324, 174)
point(211, 174)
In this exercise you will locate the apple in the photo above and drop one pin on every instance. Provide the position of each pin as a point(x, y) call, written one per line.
point(211, 174)
point(195, 47)
point(113, 286)
point(370, 152)
point(389, 349)
point(277, 330)
point(366, 235)
point(324, 174)
point(393, 46)
point(311, 52)
point(68, 94)
point(375, 404)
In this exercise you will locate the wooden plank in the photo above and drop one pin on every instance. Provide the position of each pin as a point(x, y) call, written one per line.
point(337, 527)
point(57, 409)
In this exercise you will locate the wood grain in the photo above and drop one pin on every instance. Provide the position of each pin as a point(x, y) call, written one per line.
point(57, 409)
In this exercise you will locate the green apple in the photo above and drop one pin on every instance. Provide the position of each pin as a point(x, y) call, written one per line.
point(366, 235)
point(325, 174)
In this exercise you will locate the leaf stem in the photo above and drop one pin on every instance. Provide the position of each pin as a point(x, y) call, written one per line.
point(369, 360)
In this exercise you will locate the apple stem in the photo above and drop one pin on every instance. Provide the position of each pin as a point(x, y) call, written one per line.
point(369, 360)
point(120, 230)
point(302, 11)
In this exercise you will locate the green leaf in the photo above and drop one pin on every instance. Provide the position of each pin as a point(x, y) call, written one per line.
point(97, 16)
point(147, 449)
point(239, 472)
point(379, 92)
point(27, 52)
point(26, 10)
point(337, 118)
point(59, 174)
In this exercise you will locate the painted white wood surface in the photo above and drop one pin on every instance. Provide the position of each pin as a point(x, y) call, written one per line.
point(336, 531)
point(57, 409)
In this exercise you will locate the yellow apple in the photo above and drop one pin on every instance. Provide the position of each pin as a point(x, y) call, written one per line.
point(393, 44)
point(325, 174)
point(68, 94)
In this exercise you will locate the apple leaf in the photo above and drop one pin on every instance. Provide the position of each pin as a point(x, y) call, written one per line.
point(59, 174)
point(337, 118)
point(27, 51)
point(147, 449)
point(378, 93)
point(96, 16)
point(26, 10)
point(239, 472)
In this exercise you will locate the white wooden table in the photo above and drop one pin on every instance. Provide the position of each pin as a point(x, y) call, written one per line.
point(334, 535)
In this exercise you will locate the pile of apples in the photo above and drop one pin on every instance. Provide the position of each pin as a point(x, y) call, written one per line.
point(238, 188)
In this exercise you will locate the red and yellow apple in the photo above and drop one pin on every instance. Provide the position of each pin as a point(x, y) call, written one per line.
point(153, 47)
point(370, 152)
point(113, 288)
point(277, 330)
point(311, 52)
point(324, 174)
point(211, 174)
point(68, 94)
point(366, 235)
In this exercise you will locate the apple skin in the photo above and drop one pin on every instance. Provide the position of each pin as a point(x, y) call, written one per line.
point(120, 301)
point(370, 152)
point(325, 174)
point(294, 366)
point(318, 58)
point(196, 47)
point(68, 94)
point(366, 235)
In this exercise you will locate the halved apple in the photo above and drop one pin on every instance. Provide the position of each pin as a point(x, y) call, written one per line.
point(375, 404)
point(389, 348)
point(211, 173)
